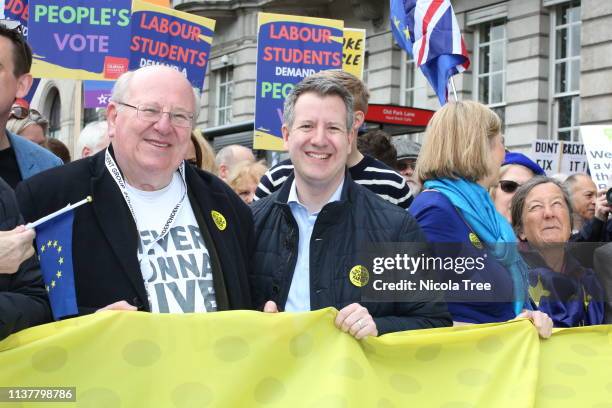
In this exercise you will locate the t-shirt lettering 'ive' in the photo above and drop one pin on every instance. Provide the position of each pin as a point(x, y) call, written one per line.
point(178, 277)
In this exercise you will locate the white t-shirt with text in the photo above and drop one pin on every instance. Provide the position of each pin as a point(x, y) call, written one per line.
point(177, 270)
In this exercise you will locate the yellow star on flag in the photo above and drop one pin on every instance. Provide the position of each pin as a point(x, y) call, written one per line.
point(537, 292)
point(59, 249)
point(49, 243)
point(407, 33)
point(396, 22)
point(42, 248)
point(54, 243)
point(61, 260)
point(47, 287)
point(52, 283)
point(587, 298)
point(58, 274)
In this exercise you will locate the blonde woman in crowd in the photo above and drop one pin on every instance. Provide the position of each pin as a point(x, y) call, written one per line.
point(244, 177)
point(459, 161)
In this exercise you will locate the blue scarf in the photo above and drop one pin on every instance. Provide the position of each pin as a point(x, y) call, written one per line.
point(479, 212)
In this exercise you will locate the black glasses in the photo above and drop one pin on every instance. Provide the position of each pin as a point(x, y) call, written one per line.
point(508, 186)
point(153, 114)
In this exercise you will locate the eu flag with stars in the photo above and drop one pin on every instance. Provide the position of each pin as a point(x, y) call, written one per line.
point(54, 246)
point(428, 30)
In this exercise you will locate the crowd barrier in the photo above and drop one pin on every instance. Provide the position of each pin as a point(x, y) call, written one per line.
point(250, 359)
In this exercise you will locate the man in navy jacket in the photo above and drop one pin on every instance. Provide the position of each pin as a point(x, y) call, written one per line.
point(310, 232)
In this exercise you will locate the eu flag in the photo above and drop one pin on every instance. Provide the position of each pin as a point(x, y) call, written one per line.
point(428, 30)
point(54, 246)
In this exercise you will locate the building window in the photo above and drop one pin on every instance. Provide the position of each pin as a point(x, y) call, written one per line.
point(366, 67)
point(54, 113)
point(566, 71)
point(89, 115)
point(413, 83)
point(224, 91)
point(490, 79)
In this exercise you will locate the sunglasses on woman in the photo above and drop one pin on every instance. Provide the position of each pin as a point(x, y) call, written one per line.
point(19, 112)
point(508, 186)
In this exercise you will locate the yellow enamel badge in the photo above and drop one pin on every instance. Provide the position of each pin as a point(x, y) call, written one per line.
point(219, 220)
point(475, 240)
point(359, 276)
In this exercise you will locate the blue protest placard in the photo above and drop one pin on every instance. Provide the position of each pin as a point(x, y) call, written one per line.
point(79, 39)
point(96, 94)
point(16, 10)
point(163, 36)
point(82, 39)
point(290, 48)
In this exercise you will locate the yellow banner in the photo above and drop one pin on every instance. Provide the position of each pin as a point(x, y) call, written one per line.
point(245, 359)
point(353, 51)
point(163, 3)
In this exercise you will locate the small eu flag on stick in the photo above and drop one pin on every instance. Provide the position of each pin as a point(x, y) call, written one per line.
point(54, 246)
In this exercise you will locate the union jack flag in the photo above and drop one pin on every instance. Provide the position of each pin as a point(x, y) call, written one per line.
point(428, 30)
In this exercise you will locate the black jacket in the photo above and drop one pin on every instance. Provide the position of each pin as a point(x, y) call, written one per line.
point(594, 230)
point(23, 299)
point(342, 228)
point(105, 238)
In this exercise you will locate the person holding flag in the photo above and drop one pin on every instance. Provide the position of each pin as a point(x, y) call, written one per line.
point(428, 30)
point(23, 301)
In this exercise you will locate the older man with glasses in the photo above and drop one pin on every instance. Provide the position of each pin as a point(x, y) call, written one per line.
point(160, 235)
point(19, 158)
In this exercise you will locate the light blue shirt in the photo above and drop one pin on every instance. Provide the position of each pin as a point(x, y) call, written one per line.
point(299, 292)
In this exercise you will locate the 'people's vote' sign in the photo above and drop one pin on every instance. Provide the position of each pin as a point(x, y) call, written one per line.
point(100, 40)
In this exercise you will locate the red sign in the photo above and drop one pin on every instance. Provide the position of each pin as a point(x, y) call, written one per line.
point(115, 66)
point(398, 115)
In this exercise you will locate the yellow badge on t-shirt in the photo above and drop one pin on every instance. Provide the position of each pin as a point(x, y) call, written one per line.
point(219, 220)
point(359, 276)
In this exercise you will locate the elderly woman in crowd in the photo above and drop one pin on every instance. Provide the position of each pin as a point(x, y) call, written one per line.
point(542, 218)
point(458, 163)
point(515, 171)
point(28, 123)
point(244, 177)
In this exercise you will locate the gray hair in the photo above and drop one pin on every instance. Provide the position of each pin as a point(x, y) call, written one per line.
point(120, 92)
point(572, 180)
point(91, 136)
point(518, 200)
point(322, 87)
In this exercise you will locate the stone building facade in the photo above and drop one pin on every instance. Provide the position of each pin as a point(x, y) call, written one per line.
point(543, 65)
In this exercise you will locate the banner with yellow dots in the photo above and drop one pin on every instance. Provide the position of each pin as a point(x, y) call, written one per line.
point(251, 359)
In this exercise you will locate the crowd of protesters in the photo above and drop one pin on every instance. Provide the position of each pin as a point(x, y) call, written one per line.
point(289, 238)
